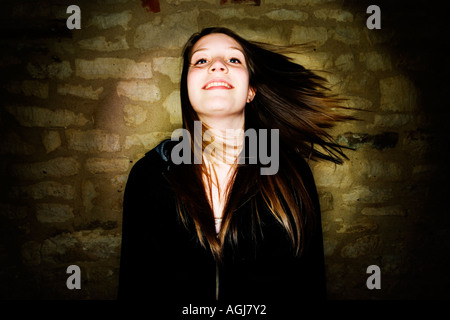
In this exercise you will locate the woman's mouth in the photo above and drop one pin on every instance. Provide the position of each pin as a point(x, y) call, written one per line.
point(217, 85)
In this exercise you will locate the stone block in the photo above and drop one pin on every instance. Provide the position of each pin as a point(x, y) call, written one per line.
point(169, 66)
point(365, 194)
point(347, 35)
point(52, 249)
point(337, 15)
point(148, 140)
point(37, 70)
point(231, 13)
point(51, 140)
point(397, 94)
point(111, 20)
point(100, 44)
point(56, 70)
point(330, 175)
point(88, 194)
point(173, 105)
point(386, 170)
point(384, 211)
point(111, 2)
point(356, 102)
point(326, 201)
point(285, 14)
point(42, 117)
point(314, 35)
point(298, 2)
point(178, 2)
point(356, 140)
point(418, 142)
point(376, 61)
point(35, 88)
point(139, 91)
point(329, 246)
point(424, 169)
point(92, 140)
point(80, 91)
point(119, 182)
point(392, 120)
point(62, 47)
point(87, 245)
point(99, 245)
point(313, 60)
point(28, 88)
point(169, 32)
point(54, 168)
point(103, 165)
point(361, 225)
point(249, 32)
point(115, 68)
point(134, 115)
point(44, 190)
point(366, 245)
point(59, 70)
point(345, 62)
point(53, 212)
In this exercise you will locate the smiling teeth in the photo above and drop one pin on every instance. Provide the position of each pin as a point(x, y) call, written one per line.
point(218, 84)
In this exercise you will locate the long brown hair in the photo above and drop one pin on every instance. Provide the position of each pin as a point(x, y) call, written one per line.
point(289, 98)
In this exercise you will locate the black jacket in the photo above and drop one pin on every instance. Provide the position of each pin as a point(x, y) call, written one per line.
point(161, 259)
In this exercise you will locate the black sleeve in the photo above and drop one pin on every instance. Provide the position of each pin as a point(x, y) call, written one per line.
point(161, 260)
point(139, 263)
point(313, 262)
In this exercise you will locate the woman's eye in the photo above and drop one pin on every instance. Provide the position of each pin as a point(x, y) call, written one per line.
point(201, 61)
point(235, 60)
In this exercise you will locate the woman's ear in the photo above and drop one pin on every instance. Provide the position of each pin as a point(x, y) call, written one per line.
point(251, 94)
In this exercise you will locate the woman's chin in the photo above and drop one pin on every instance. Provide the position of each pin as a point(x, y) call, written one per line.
point(220, 109)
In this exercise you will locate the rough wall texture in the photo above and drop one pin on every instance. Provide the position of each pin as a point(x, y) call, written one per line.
point(79, 107)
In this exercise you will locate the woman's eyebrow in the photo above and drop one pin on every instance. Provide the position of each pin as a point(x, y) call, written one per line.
point(200, 49)
point(203, 49)
point(239, 49)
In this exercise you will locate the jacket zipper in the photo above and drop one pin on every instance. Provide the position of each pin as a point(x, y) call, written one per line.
point(217, 281)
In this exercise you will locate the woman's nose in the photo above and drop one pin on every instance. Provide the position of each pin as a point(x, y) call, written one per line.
point(218, 65)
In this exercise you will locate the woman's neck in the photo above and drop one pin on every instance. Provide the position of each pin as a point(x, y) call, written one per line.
point(226, 142)
point(222, 124)
point(220, 157)
point(225, 146)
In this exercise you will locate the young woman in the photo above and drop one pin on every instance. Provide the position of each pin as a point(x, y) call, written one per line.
point(218, 228)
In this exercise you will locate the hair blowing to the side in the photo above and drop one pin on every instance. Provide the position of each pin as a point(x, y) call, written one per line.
point(289, 98)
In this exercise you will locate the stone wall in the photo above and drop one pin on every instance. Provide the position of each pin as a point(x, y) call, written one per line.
point(80, 107)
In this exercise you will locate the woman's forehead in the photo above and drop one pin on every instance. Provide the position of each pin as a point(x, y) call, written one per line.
point(216, 41)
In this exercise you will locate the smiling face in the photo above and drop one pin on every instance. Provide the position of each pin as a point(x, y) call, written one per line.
point(218, 79)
